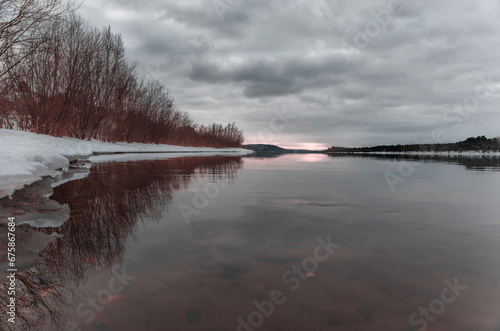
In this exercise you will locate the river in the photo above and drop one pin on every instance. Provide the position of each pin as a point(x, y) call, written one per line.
point(293, 242)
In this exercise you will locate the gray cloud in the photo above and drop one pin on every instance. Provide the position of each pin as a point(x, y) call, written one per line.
point(264, 79)
point(356, 73)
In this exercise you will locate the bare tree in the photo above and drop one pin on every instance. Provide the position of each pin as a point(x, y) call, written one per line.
point(19, 19)
point(62, 77)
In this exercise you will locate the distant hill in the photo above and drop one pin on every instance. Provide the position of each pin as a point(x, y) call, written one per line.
point(261, 148)
point(276, 150)
point(479, 143)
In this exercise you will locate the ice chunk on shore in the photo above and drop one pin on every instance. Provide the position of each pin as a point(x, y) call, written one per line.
point(16, 174)
point(32, 206)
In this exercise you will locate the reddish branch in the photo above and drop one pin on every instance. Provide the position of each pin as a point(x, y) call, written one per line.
point(66, 78)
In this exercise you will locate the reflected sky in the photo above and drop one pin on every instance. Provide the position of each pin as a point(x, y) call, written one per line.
point(250, 220)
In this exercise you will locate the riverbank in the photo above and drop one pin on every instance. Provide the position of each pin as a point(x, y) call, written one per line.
point(424, 153)
point(27, 157)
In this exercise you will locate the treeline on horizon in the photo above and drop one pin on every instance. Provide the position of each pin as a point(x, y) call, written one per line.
point(479, 143)
point(62, 77)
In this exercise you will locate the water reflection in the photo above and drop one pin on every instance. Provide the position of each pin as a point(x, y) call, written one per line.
point(105, 209)
point(395, 252)
point(470, 162)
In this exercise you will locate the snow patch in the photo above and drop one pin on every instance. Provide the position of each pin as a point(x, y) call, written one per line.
point(26, 157)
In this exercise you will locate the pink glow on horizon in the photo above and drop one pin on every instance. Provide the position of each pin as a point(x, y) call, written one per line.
point(311, 146)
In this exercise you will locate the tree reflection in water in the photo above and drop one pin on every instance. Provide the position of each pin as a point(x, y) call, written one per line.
point(105, 209)
point(475, 162)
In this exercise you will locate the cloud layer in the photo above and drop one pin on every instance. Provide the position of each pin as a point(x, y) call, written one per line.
point(324, 72)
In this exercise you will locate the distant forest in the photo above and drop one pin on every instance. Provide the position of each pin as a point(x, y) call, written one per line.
point(62, 77)
point(479, 143)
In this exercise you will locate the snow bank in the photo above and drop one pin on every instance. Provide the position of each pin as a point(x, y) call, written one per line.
point(26, 157)
point(155, 156)
point(99, 147)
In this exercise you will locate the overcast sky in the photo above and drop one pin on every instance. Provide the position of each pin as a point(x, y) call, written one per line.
point(321, 73)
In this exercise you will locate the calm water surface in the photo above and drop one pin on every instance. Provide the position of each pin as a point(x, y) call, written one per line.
point(199, 243)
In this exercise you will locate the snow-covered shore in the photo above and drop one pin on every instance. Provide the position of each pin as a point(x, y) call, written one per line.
point(26, 157)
